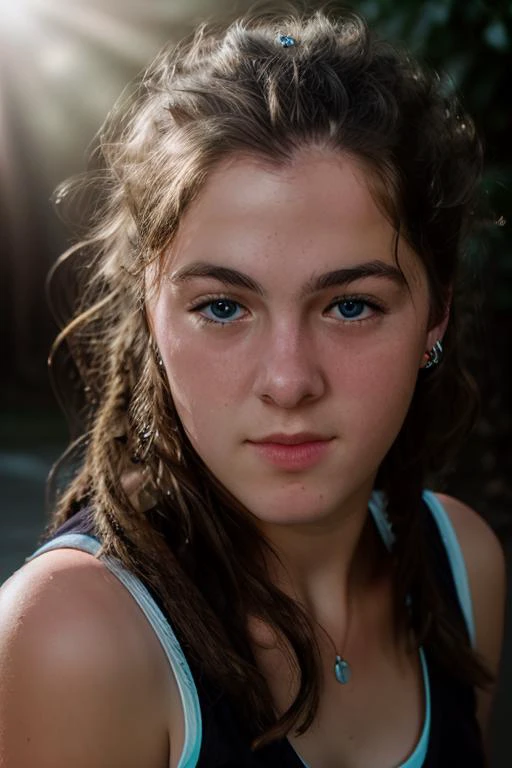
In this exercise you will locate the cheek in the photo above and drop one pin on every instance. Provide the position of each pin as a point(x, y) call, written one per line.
point(374, 384)
point(204, 384)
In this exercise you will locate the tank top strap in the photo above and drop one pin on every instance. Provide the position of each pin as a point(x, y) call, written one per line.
point(162, 629)
point(456, 560)
point(377, 505)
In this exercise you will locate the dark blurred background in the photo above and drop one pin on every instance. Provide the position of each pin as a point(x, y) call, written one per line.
point(62, 65)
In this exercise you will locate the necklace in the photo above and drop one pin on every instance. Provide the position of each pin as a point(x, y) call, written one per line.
point(342, 668)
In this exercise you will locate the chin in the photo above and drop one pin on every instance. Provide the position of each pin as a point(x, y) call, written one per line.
point(303, 509)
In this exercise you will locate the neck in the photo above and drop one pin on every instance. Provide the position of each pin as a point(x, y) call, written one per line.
point(326, 564)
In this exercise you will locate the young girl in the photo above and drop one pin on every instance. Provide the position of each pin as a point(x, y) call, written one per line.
point(245, 569)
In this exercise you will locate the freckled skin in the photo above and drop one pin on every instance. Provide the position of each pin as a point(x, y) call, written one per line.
point(287, 362)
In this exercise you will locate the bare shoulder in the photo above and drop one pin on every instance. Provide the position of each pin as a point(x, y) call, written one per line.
point(482, 550)
point(80, 669)
point(485, 563)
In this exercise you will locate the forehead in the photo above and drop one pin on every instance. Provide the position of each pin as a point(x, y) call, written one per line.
point(317, 212)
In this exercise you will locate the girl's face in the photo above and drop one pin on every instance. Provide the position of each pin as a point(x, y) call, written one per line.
point(290, 338)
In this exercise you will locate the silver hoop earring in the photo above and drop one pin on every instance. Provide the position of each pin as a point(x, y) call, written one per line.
point(434, 356)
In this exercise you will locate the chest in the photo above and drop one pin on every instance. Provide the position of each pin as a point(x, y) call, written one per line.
point(373, 721)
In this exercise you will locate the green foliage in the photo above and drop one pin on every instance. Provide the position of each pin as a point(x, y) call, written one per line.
point(469, 42)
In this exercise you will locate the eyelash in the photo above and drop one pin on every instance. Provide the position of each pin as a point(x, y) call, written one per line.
point(375, 306)
point(369, 302)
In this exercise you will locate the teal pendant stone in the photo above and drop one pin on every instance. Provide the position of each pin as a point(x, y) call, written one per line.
point(342, 670)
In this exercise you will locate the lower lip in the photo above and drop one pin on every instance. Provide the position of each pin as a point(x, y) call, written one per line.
point(293, 457)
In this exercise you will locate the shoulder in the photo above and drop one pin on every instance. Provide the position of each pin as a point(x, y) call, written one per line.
point(483, 553)
point(79, 666)
point(485, 564)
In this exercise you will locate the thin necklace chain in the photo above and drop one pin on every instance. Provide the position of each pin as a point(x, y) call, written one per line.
point(342, 669)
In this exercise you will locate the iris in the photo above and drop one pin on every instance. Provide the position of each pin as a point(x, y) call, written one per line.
point(223, 309)
point(351, 308)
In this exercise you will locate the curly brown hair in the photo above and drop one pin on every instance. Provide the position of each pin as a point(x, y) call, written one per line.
point(227, 91)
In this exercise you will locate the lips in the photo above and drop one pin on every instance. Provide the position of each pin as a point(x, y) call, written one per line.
point(293, 453)
point(281, 438)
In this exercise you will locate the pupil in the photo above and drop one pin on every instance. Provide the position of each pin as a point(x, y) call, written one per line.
point(223, 309)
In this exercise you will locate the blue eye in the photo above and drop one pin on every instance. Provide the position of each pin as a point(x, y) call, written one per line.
point(221, 310)
point(351, 309)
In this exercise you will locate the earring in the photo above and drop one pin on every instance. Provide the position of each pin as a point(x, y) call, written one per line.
point(434, 356)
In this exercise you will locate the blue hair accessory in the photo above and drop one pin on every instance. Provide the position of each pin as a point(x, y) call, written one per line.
point(287, 41)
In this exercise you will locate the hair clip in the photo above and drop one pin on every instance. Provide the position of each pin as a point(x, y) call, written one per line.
point(287, 41)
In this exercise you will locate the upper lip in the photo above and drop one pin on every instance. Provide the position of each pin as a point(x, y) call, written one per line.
point(295, 439)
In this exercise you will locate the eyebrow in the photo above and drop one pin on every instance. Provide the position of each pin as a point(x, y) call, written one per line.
point(336, 278)
point(224, 275)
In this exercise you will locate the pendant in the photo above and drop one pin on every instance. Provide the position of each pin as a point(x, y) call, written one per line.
point(342, 670)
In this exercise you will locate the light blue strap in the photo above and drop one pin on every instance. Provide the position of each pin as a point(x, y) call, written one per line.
point(69, 541)
point(417, 758)
point(456, 558)
point(162, 629)
point(449, 537)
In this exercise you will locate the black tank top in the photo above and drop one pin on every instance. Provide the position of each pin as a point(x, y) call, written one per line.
point(455, 737)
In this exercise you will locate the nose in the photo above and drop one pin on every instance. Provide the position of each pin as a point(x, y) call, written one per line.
point(289, 369)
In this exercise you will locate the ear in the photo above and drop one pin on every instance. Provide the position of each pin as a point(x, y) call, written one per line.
point(437, 332)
